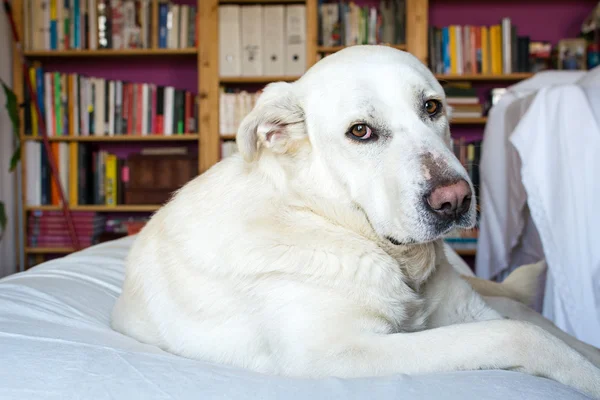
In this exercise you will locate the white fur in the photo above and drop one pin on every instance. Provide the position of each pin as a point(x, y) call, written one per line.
point(277, 258)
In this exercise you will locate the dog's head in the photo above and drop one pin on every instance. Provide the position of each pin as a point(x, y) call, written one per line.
point(376, 125)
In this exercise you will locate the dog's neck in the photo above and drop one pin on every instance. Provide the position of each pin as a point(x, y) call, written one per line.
point(328, 201)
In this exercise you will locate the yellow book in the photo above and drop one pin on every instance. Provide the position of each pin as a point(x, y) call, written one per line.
point(110, 186)
point(34, 120)
point(73, 174)
point(485, 50)
point(496, 50)
point(453, 55)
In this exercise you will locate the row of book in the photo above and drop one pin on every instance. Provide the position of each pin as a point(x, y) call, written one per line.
point(344, 23)
point(234, 105)
point(469, 154)
point(471, 49)
point(258, 40)
point(50, 228)
point(76, 105)
point(107, 24)
point(87, 177)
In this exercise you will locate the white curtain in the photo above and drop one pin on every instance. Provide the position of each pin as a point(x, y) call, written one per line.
point(8, 244)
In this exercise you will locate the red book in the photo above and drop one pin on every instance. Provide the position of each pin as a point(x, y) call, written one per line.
point(139, 113)
point(130, 109)
point(153, 128)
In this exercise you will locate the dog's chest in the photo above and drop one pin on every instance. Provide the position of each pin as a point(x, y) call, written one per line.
point(391, 297)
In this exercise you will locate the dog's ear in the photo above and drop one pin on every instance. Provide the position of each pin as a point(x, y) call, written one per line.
point(276, 122)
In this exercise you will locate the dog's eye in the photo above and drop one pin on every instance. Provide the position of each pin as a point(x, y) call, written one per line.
point(361, 131)
point(432, 107)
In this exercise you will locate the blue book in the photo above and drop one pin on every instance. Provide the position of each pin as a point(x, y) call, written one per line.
point(163, 10)
point(446, 49)
point(76, 25)
point(39, 85)
point(53, 35)
point(45, 177)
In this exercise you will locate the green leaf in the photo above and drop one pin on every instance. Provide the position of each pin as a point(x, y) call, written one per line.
point(12, 106)
point(14, 160)
point(2, 218)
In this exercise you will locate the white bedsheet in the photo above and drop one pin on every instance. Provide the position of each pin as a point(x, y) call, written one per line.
point(56, 343)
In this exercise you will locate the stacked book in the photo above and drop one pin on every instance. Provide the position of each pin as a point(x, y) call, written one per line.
point(345, 23)
point(107, 24)
point(234, 105)
point(50, 229)
point(472, 49)
point(464, 101)
point(76, 105)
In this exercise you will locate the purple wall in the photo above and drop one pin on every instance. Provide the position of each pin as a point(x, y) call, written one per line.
point(542, 20)
point(179, 71)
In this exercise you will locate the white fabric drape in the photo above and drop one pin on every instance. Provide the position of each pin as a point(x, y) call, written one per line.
point(541, 166)
point(504, 216)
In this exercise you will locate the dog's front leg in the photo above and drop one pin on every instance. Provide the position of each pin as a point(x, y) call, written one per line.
point(493, 344)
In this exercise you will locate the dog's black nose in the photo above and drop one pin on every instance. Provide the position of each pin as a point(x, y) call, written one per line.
point(450, 200)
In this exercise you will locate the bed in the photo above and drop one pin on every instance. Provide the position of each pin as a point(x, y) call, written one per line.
point(56, 343)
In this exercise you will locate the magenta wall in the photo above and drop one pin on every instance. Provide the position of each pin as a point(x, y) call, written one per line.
point(542, 20)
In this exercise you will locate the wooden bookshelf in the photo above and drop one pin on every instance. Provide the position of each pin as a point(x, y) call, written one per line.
point(466, 252)
point(118, 138)
point(111, 53)
point(261, 2)
point(333, 49)
point(469, 121)
point(48, 250)
point(206, 56)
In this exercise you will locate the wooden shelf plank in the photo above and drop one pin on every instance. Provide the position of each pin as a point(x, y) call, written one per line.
point(466, 252)
point(261, 1)
point(333, 49)
point(100, 208)
point(110, 53)
point(48, 250)
point(485, 77)
point(123, 138)
point(469, 121)
point(257, 79)
point(228, 137)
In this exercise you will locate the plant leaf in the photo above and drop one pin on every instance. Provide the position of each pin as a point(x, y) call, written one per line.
point(14, 160)
point(2, 217)
point(12, 106)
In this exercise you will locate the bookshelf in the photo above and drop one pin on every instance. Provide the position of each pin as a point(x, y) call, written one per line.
point(196, 68)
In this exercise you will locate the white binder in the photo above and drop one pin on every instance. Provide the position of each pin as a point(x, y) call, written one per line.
point(252, 56)
point(230, 47)
point(295, 26)
point(274, 40)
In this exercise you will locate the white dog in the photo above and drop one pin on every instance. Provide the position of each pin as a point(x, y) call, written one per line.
point(316, 250)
